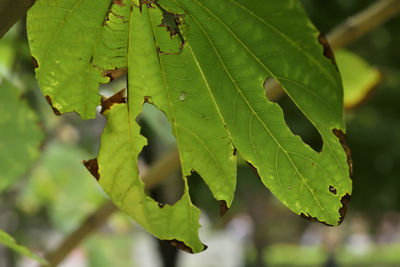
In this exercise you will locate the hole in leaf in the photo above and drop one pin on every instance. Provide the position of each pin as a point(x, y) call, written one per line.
point(154, 125)
point(332, 189)
point(113, 86)
point(295, 119)
point(273, 89)
point(108, 102)
point(201, 196)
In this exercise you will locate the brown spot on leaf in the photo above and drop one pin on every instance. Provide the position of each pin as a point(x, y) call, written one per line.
point(56, 111)
point(342, 139)
point(114, 74)
point(35, 63)
point(118, 2)
point(107, 103)
point(182, 246)
point(332, 190)
point(223, 207)
point(312, 219)
point(147, 99)
point(234, 151)
point(92, 167)
point(328, 52)
point(345, 200)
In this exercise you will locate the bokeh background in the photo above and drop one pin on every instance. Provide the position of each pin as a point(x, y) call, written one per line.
point(55, 193)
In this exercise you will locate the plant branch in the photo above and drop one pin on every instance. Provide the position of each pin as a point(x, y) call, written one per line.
point(351, 30)
point(158, 172)
point(358, 25)
point(11, 11)
point(348, 32)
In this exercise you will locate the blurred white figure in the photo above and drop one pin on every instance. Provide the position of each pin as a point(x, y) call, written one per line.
point(226, 248)
point(359, 241)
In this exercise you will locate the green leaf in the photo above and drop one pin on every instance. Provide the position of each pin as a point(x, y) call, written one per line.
point(20, 135)
point(359, 78)
point(10, 242)
point(202, 63)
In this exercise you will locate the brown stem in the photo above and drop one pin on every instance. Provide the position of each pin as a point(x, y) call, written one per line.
point(349, 31)
point(11, 11)
point(160, 170)
point(88, 226)
point(358, 25)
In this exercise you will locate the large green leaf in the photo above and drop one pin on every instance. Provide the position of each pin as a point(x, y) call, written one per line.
point(10, 242)
point(20, 135)
point(210, 86)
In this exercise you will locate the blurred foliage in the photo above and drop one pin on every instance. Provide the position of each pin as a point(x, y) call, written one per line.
point(62, 184)
point(20, 135)
point(111, 249)
point(359, 79)
point(280, 255)
point(9, 241)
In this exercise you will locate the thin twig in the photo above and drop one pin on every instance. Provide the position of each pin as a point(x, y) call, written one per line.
point(352, 29)
point(348, 32)
point(11, 11)
point(358, 25)
point(91, 223)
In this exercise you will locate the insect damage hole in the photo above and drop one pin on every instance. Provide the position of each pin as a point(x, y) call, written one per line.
point(171, 24)
point(295, 119)
point(167, 186)
point(201, 196)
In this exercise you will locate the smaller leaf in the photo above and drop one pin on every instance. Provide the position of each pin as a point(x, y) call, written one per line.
point(359, 78)
point(10, 242)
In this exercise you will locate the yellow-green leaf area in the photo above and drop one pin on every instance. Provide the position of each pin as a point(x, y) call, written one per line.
point(359, 78)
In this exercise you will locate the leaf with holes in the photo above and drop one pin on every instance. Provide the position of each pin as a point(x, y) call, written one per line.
point(202, 63)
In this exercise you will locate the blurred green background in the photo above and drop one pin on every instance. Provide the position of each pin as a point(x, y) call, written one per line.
point(50, 192)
